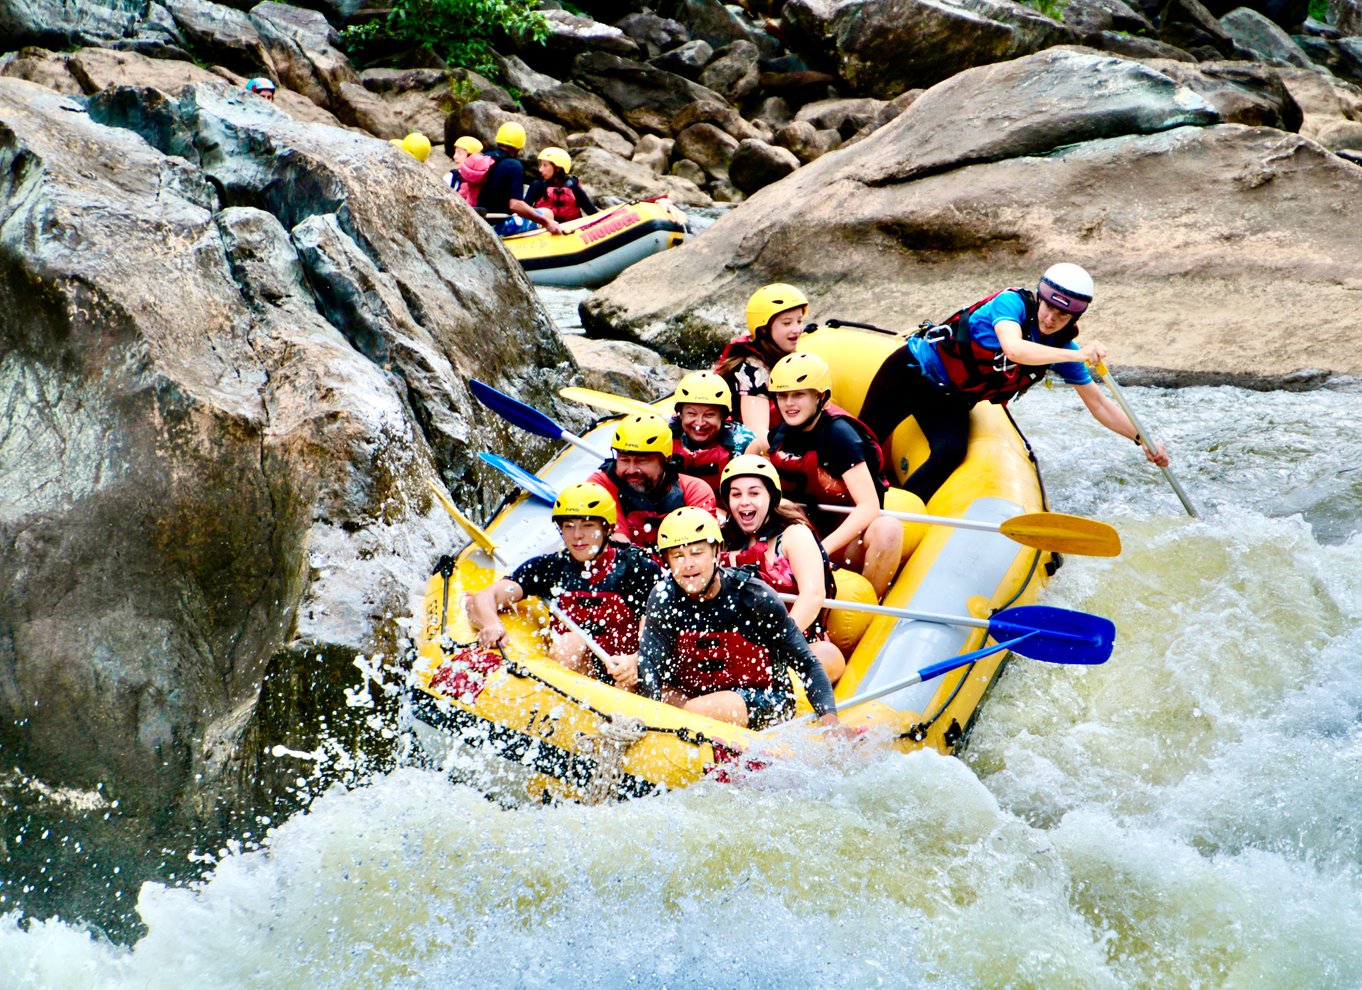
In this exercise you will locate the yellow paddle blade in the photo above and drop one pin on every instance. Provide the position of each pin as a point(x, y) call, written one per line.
point(475, 532)
point(1063, 534)
point(608, 402)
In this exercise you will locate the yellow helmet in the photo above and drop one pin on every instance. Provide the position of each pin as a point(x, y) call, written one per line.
point(704, 388)
point(643, 435)
point(751, 466)
point(800, 370)
point(558, 157)
point(585, 500)
point(688, 524)
point(770, 301)
point(417, 145)
point(469, 144)
point(511, 134)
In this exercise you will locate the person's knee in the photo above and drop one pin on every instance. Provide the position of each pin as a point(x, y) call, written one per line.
point(884, 534)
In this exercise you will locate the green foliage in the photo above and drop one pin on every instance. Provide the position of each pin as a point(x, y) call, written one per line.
point(459, 31)
point(1319, 9)
point(1053, 9)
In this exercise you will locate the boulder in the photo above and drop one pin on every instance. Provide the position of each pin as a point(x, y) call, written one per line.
point(610, 175)
point(1240, 92)
point(1321, 95)
point(733, 71)
point(1340, 136)
point(521, 77)
point(1095, 16)
point(1346, 16)
point(688, 60)
point(1341, 56)
point(577, 110)
point(686, 169)
point(51, 70)
point(883, 47)
point(1188, 25)
point(571, 35)
point(1287, 14)
point(1252, 31)
point(622, 368)
point(61, 24)
point(482, 119)
point(653, 34)
point(846, 117)
point(302, 47)
point(774, 112)
point(722, 25)
point(707, 146)
point(720, 115)
point(806, 141)
point(338, 12)
point(1135, 46)
point(644, 96)
point(757, 164)
point(222, 36)
point(218, 501)
point(610, 141)
point(654, 152)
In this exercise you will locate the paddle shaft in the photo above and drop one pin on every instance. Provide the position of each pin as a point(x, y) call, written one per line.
point(976, 524)
point(1141, 436)
point(897, 613)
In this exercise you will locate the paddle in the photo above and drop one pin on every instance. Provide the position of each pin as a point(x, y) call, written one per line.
point(1053, 531)
point(1055, 635)
point(526, 417)
point(484, 542)
point(537, 487)
point(1141, 436)
point(606, 401)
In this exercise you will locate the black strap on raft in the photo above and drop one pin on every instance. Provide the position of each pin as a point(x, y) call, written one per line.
point(835, 323)
point(445, 568)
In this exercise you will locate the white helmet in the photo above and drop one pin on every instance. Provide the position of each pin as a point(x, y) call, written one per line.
point(1066, 287)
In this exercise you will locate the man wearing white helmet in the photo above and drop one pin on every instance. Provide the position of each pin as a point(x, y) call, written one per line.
point(992, 351)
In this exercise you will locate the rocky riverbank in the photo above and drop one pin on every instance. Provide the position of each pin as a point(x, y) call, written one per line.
point(236, 336)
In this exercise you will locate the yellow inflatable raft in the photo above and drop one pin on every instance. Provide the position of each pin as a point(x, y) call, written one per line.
point(553, 733)
point(593, 250)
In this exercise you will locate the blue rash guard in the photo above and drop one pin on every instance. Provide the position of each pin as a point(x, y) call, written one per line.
point(1004, 306)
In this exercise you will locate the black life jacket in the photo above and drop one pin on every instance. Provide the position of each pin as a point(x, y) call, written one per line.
point(979, 373)
point(803, 478)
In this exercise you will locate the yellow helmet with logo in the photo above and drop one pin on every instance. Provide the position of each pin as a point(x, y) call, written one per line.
point(686, 525)
point(800, 370)
point(751, 466)
point(559, 157)
point(585, 500)
point(511, 134)
point(770, 301)
point(469, 144)
point(643, 435)
point(704, 388)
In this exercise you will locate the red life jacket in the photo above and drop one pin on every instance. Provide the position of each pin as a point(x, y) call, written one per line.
point(640, 515)
point(606, 615)
point(705, 463)
point(562, 201)
point(982, 374)
point(803, 479)
point(471, 175)
point(706, 662)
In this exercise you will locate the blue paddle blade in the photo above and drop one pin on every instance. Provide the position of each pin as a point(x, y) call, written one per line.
point(514, 411)
point(537, 487)
point(1061, 635)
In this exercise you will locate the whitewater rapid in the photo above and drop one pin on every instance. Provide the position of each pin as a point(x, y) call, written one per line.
point(1183, 816)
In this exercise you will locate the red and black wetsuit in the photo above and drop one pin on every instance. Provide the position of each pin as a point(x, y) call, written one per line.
point(605, 596)
point(741, 640)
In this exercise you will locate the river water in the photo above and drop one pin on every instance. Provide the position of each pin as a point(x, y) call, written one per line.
point(1184, 816)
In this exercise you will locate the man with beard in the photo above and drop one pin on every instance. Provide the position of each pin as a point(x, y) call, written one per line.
point(644, 484)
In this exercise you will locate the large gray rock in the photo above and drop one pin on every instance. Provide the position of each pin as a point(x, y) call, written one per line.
point(611, 141)
point(1346, 16)
point(645, 96)
point(302, 47)
point(757, 164)
point(1189, 25)
point(806, 141)
point(733, 71)
point(707, 146)
point(883, 47)
point(720, 25)
point(229, 415)
point(222, 35)
point(576, 109)
point(1134, 46)
point(688, 60)
point(721, 115)
point(61, 24)
point(1240, 92)
point(653, 34)
point(610, 175)
point(846, 117)
point(622, 368)
point(482, 120)
point(1095, 16)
